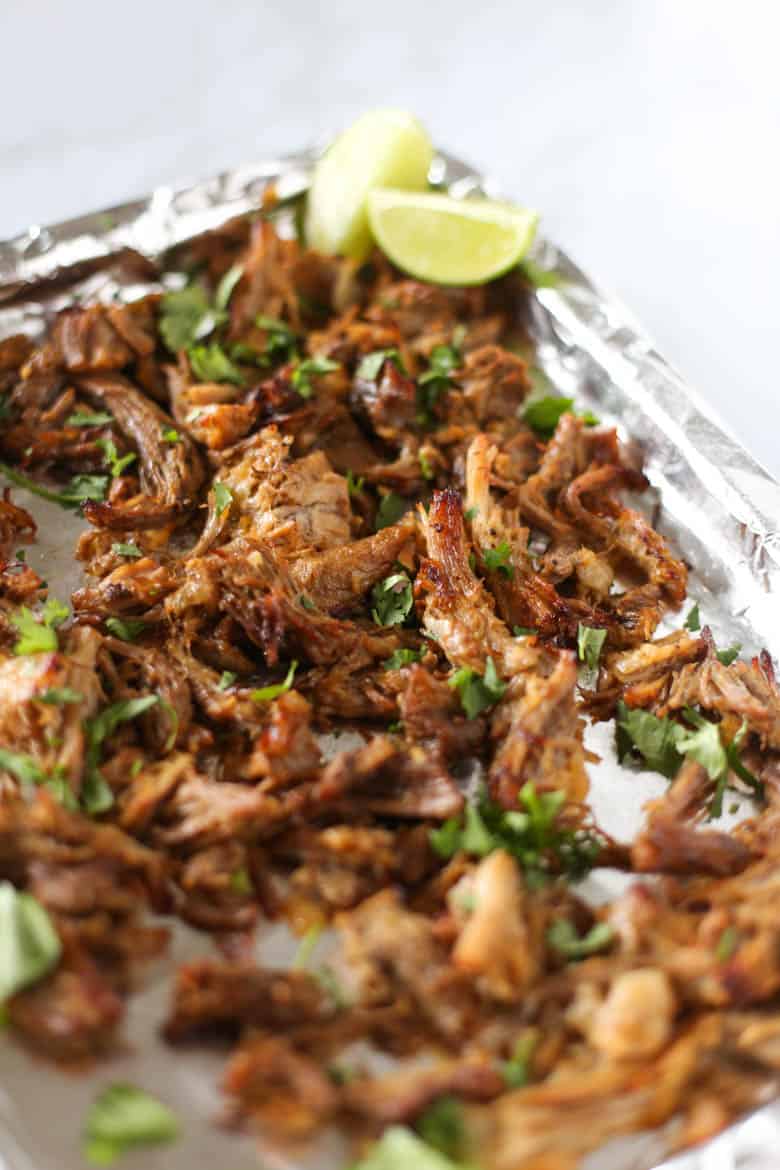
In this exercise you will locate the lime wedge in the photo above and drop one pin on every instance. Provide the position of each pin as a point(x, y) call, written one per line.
point(384, 148)
point(450, 241)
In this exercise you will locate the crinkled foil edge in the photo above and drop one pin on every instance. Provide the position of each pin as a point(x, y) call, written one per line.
point(714, 499)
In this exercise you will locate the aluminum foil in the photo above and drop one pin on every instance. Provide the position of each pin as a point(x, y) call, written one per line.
point(712, 500)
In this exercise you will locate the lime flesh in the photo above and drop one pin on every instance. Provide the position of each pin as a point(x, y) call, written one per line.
point(450, 241)
point(384, 148)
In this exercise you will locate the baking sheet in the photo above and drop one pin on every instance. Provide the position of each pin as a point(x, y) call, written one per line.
point(713, 500)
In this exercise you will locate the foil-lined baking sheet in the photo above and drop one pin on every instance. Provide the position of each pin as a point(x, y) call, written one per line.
point(712, 500)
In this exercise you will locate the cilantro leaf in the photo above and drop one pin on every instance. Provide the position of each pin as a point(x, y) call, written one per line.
point(477, 692)
point(123, 1117)
point(442, 1126)
point(223, 497)
point(563, 938)
point(38, 635)
point(210, 363)
point(589, 644)
point(703, 744)
point(499, 559)
point(265, 694)
point(654, 739)
point(226, 286)
point(227, 678)
point(403, 657)
point(516, 1071)
point(97, 418)
point(391, 509)
point(524, 631)
point(31, 947)
point(240, 881)
point(693, 621)
point(426, 468)
point(371, 365)
point(437, 380)
point(544, 413)
point(400, 1148)
point(96, 795)
point(392, 600)
point(26, 770)
point(727, 944)
point(171, 435)
point(81, 487)
point(126, 550)
point(307, 369)
point(60, 696)
point(281, 341)
point(726, 657)
point(127, 629)
point(354, 486)
point(530, 834)
point(186, 316)
point(114, 461)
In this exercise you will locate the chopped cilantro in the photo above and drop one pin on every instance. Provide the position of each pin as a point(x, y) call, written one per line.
point(589, 644)
point(471, 513)
point(477, 692)
point(392, 600)
point(226, 286)
point(727, 944)
point(126, 550)
point(524, 631)
point(516, 1071)
point(210, 363)
point(654, 739)
point(309, 368)
point(96, 795)
point(426, 469)
point(81, 487)
point(442, 1126)
point(371, 365)
point(60, 696)
point(306, 948)
point(307, 603)
point(170, 435)
point(391, 509)
point(499, 559)
point(354, 486)
point(436, 380)
point(37, 635)
point(281, 341)
point(403, 657)
point(265, 694)
point(122, 1118)
point(222, 497)
point(227, 678)
point(726, 657)
point(544, 413)
point(97, 418)
point(531, 834)
point(186, 317)
point(400, 1148)
point(563, 938)
point(127, 629)
point(115, 462)
point(240, 881)
point(693, 621)
point(31, 945)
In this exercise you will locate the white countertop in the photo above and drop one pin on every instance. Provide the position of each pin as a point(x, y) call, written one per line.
point(645, 131)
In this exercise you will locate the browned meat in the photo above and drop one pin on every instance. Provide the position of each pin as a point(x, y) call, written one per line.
point(224, 997)
point(494, 382)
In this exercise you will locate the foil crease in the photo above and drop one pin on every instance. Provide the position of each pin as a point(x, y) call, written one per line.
point(714, 501)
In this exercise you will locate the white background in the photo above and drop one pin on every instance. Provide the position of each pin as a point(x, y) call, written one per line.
point(646, 131)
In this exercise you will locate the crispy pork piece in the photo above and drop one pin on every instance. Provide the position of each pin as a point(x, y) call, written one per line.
point(745, 690)
point(495, 382)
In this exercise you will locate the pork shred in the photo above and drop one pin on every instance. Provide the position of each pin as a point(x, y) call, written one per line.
point(329, 665)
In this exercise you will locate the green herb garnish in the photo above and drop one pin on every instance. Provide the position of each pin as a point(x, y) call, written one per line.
point(371, 365)
point(499, 559)
point(402, 657)
point(309, 368)
point(543, 414)
point(127, 629)
point(589, 644)
point(222, 497)
point(227, 678)
point(726, 657)
point(693, 621)
point(80, 418)
point(115, 462)
point(477, 692)
point(392, 600)
point(37, 635)
point(210, 363)
point(132, 551)
point(31, 947)
point(563, 938)
point(391, 509)
point(122, 1118)
point(265, 694)
point(60, 696)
